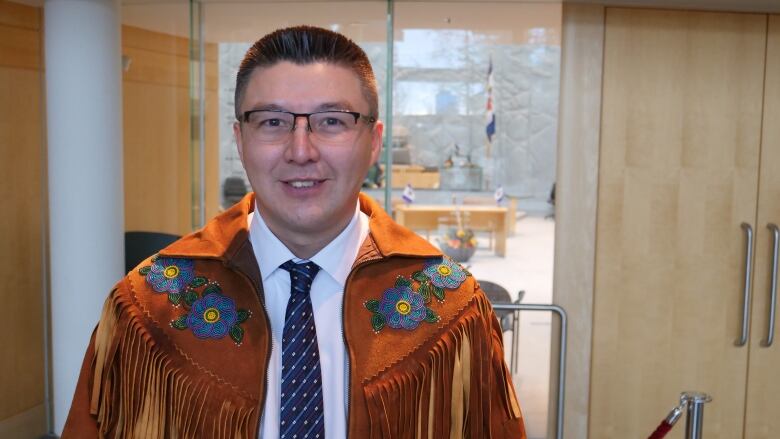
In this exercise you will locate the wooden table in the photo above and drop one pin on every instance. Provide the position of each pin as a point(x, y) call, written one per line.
point(511, 219)
point(427, 217)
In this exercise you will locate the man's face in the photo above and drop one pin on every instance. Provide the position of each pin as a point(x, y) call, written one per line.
point(303, 186)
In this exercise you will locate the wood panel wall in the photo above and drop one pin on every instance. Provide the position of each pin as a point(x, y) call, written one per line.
point(22, 167)
point(678, 173)
point(579, 127)
point(577, 194)
point(157, 139)
point(761, 420)
point(157, 174)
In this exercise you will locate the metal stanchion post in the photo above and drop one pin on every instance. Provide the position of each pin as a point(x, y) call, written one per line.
point(693, 423)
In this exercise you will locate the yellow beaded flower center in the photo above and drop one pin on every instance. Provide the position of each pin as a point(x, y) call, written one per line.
point(171, 271)
point(403, 307)
point(444, 270)
point(211, 315)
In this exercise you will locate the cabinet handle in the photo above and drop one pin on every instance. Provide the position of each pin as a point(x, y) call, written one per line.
point(770, 336)
point(746, 294)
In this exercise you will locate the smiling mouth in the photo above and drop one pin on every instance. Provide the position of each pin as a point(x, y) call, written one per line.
point(303, 184)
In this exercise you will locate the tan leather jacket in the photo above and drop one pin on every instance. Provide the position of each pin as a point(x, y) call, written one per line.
point(148, 373)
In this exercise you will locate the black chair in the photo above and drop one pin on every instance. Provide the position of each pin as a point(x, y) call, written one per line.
point(141, 245)
point(551, 201)
point(233, 190)
point(508, 318)
point(498, 294)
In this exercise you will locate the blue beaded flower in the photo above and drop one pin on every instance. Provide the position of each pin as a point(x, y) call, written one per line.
point(170, 275)
point(444, 273)
point(402, 307)
point(212, 316)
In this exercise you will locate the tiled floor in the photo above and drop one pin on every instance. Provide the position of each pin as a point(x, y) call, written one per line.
point(528, 266)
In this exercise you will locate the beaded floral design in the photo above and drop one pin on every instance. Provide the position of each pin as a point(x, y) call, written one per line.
point(444, 273)
point(208, 312)
point(212, 316)
point(400, 308)
point(407, 303)
point(170, 275)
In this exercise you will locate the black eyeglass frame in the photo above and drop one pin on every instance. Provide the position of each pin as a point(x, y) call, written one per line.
point(355, 114)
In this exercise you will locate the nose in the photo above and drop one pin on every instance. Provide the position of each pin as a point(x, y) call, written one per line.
point(300, 149)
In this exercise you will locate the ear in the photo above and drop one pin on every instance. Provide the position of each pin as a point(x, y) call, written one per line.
point(239, 141)
point(376, 141)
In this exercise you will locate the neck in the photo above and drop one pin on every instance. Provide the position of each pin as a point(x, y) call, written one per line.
point(306, 244)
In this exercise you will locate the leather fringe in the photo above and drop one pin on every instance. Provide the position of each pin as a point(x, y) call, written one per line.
point(138, 392)
point(447, 394)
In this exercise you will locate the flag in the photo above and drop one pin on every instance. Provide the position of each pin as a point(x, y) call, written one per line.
point(499, 194)
point(490, 129)
point(408, 194)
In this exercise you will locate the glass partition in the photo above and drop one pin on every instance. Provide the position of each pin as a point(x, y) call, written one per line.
point(474, 115)
point(451, 60)
point(158, 159)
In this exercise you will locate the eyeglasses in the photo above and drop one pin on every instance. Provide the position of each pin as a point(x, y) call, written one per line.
point(332, 127)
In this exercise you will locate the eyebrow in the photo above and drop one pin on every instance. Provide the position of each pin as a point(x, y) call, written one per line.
point(342, 105)
point(339, 105)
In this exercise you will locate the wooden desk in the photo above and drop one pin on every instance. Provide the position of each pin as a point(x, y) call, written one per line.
point(415, 175)
point(480, 217)
point(511, 218)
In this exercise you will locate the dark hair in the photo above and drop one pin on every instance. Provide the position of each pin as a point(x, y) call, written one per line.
point(305, 45)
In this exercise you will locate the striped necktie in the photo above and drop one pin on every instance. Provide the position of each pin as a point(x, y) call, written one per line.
point(302, 414)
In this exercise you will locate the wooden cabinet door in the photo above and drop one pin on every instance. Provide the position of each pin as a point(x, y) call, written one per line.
point(678, 172)
point(762, 415)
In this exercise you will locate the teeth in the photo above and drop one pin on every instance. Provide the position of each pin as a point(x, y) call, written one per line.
point(300, 184)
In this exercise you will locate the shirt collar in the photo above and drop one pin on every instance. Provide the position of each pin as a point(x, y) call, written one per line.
point(226, 238)
point(336, 258)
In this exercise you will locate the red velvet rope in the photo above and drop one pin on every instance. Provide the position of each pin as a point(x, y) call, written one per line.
point(661, 431)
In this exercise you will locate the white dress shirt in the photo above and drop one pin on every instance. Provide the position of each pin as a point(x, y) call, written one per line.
point(327, 291)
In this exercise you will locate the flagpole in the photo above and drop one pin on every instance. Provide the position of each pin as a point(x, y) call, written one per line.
point(490, 127)
point(388, 152)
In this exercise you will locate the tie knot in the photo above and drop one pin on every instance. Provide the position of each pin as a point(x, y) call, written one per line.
point(301, 275)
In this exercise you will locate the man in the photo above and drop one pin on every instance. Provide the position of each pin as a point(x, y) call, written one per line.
point(303, 311)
